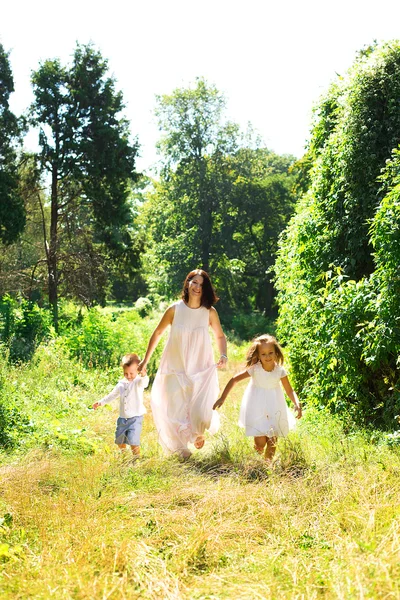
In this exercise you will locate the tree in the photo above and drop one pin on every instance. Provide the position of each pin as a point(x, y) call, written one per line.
point(258, 208)
point(23, 264)
point(220, 202)
point(12, 210)
point(85, 151)
point(194, 137)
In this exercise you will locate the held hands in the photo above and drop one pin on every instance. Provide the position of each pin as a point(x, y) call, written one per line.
point(96, 405)
point(218, 403)
point(142, 366)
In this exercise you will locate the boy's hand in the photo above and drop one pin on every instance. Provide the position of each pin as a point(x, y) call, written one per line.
point(218, 403)
point(96, 405)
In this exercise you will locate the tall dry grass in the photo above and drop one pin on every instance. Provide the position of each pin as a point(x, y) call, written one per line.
point(323, 523)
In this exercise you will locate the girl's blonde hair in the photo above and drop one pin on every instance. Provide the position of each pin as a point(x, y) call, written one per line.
point(252, 354)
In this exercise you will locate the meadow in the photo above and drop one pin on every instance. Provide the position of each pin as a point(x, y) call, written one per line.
point(80, 520)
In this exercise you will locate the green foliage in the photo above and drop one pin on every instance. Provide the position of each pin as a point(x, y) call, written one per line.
point(78, 111)
point(102, 338)
point(245, 326)
point(22, 264)
point(7, 317)
point(23, 325)
point(220, 203)
point(143, 306)
point(14, 424)
point(337, 269)
point(191, 121)
point(357, 125)
point(12, 210)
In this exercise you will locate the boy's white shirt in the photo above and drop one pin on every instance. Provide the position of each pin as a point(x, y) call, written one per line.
point(130, 395)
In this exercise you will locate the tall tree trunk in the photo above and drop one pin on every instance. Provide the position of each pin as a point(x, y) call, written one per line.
point(52, 253)
point(206, 218)
point(206, 228)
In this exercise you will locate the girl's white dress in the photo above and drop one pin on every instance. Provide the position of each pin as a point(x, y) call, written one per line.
point(264, 410)
point(186, 384)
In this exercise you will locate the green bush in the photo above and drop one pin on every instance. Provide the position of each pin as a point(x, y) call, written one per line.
point(23, 326)
point(13, 422)
point(143, 306)
point(337, 272)
point(102, 338)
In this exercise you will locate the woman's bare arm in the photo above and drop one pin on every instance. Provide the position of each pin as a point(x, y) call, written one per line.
point(220, 338)
point(166, 320)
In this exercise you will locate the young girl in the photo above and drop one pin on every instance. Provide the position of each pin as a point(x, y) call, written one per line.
point(263, 412)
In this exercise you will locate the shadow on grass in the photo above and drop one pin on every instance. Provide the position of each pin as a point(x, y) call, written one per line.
point(226, 459)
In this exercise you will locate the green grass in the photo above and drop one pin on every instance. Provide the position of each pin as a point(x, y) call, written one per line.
point(81, 521)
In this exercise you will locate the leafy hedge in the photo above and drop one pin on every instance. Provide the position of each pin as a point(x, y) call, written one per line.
point(338, 266)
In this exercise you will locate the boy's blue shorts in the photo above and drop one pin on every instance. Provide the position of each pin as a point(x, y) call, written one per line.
point(128, 430)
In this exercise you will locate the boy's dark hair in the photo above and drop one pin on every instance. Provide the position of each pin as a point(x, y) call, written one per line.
point(128, 359)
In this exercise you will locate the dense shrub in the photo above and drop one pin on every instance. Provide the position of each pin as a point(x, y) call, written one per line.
point(102, 337)
point(14, 423)
point(23, 325)
point(143, 306)
point(337, 271)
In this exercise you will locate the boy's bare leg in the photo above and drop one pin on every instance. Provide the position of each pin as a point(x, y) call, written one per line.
point(135, 450)
point(122, 446)
point(259, 443)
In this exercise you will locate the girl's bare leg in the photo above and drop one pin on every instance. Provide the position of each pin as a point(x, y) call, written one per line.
point(270, 448)
point(259, 443)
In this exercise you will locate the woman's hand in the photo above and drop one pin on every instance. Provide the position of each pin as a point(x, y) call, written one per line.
point(218, 403)
point(222, 361)
point(299, 412)
point(142, 366)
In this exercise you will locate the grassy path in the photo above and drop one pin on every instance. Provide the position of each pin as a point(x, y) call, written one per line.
point(325, 523)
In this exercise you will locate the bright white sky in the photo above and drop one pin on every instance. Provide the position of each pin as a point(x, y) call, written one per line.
point(271, 59)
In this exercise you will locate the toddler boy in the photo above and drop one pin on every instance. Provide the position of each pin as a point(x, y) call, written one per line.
point(131, 407)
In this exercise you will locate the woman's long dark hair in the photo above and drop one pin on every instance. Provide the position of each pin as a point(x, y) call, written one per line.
point(208, 296)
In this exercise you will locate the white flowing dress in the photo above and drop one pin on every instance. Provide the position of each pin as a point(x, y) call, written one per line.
point(186, 385)
point(264, 411)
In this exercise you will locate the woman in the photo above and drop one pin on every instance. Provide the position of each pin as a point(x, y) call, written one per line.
point(186, 384)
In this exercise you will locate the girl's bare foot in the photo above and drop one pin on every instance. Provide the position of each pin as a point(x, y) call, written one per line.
point(199, 442)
